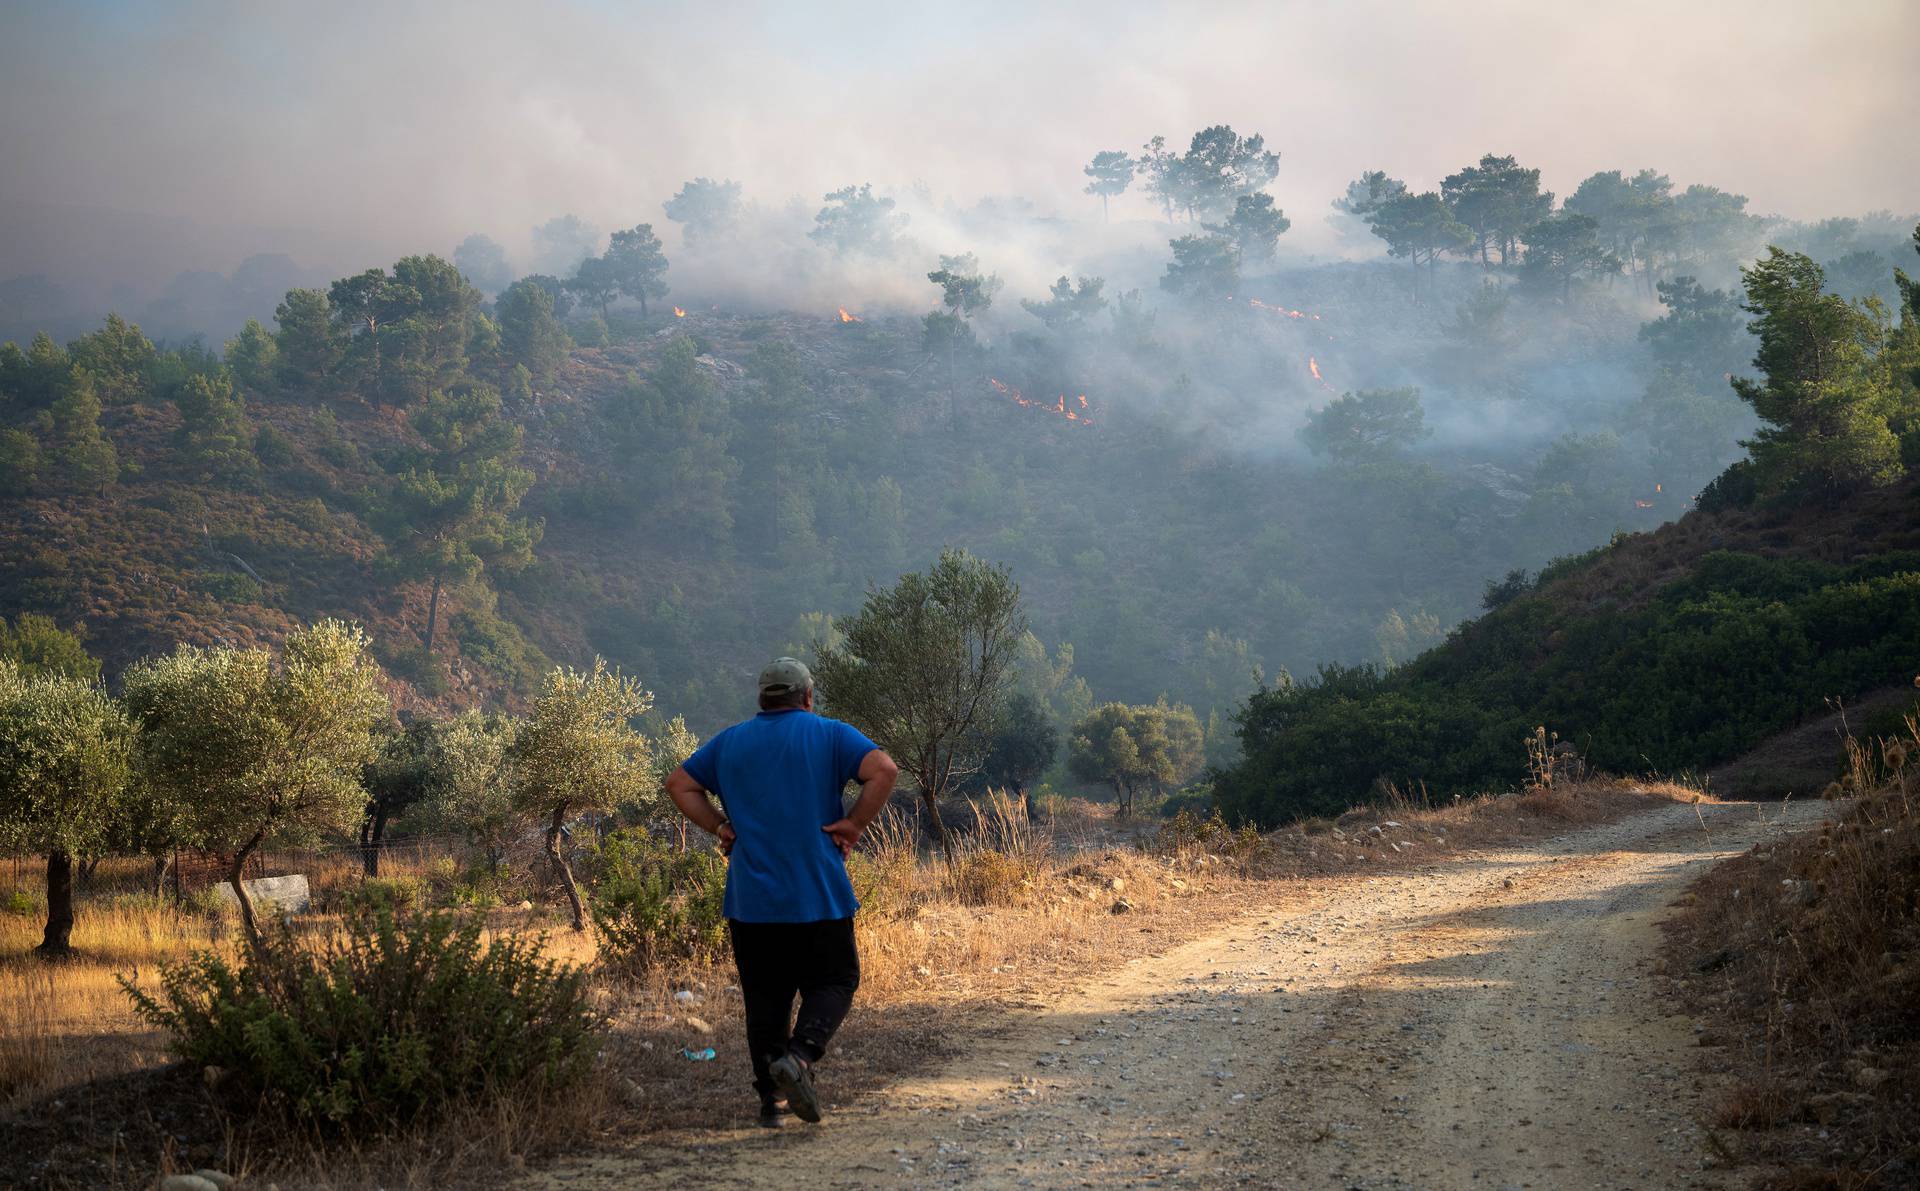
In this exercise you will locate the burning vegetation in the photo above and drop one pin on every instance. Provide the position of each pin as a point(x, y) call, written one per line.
point(1257, 304)
point(1074, 409)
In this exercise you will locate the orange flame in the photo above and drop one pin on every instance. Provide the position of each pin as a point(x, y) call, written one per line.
point(1079, 417)
point(1257, 304)
point(849, 318)
point(679, 313)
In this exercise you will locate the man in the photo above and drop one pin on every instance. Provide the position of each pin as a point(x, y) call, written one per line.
point(789, 904)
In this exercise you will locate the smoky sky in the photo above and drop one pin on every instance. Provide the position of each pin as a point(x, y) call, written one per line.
point(353, 132)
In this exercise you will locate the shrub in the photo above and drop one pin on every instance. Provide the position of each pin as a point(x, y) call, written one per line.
point(1735, 488)
point(499, 648)
point(229, 587)
point(652, 902)
point(397, 895)
point(273, 447)
point(1190, 831)
point(483, 886)
point(1736, 650)
point(396, 1019)
point(985, 877)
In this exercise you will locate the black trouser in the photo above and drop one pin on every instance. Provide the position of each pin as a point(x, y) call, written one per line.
point(776, 960)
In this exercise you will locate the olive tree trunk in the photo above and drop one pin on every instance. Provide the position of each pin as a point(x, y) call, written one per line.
point(373, 827)
point(58, 940)
point(248, 919)
point(560, 868)
point(929, 775)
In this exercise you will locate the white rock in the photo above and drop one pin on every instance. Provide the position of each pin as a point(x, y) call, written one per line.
point(218, 1178)
point(698, 1025)
point(187, 1182)
point(288, 893)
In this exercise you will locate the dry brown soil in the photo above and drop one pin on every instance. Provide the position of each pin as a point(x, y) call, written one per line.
point(1490, 1021)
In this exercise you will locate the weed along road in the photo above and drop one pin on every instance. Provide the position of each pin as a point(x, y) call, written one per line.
point(1493, 1021)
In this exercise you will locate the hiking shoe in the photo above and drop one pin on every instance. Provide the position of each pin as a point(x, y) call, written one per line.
point(795, 1078)
point(770, 1114)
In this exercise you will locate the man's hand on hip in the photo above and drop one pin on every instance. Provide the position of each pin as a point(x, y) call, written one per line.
point(726, 838)
point(845, 833)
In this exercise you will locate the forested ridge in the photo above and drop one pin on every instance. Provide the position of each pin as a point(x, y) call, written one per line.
point(1257, 468)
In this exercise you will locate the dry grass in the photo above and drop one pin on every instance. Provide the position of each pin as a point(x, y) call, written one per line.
point(1807, 958)
point(1027, 909)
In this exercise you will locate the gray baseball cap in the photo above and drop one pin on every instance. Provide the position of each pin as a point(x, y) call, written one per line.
point(783, 676)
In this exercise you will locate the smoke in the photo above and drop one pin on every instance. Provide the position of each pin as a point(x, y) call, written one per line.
point(348, 134)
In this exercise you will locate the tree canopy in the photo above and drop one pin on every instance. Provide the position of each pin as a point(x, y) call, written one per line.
point(1133, 748)
point(706, 209)
point(923, 669)
point(855, 221)
point(258, 747)
point(1203, 269)
point(1823, 402)
point(577, 752)
point(1111, 172)
point(66, 753)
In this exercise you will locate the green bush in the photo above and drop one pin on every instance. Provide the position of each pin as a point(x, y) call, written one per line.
point(395, 1020)
point(427, 673)
point(652, 902)
point(1740, 648)
point(499, 648)
point(484, 886)
point(398, 895)
point(22, 902)
point(229, 587)
point(273, 448)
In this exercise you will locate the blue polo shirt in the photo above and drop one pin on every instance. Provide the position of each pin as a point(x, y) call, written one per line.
point(780, 775)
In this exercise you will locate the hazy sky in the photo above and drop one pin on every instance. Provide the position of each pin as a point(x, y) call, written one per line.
point(378, 128)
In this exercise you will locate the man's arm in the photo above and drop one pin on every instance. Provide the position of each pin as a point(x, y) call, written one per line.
point(691, 797)
point(877, 774)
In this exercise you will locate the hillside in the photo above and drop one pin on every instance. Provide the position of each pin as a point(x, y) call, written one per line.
point(1673, 651)
point(713, 487)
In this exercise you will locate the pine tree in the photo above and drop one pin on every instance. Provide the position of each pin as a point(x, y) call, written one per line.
point(85, 456)
point(1824, 403)
point(214, 434)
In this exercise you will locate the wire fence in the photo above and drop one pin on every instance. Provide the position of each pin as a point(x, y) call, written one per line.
point(187, 871)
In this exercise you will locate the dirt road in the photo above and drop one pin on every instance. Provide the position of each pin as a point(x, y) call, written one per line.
point(1487, 1022)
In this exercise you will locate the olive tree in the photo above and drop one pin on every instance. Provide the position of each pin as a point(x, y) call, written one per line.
point(924, 667)
point(578, 752)
point(1024, 743)
point(261, 747)
point(668, 745)
point(1127, 747)
point(66, 751)
point(467, 787)
point(396, 780)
